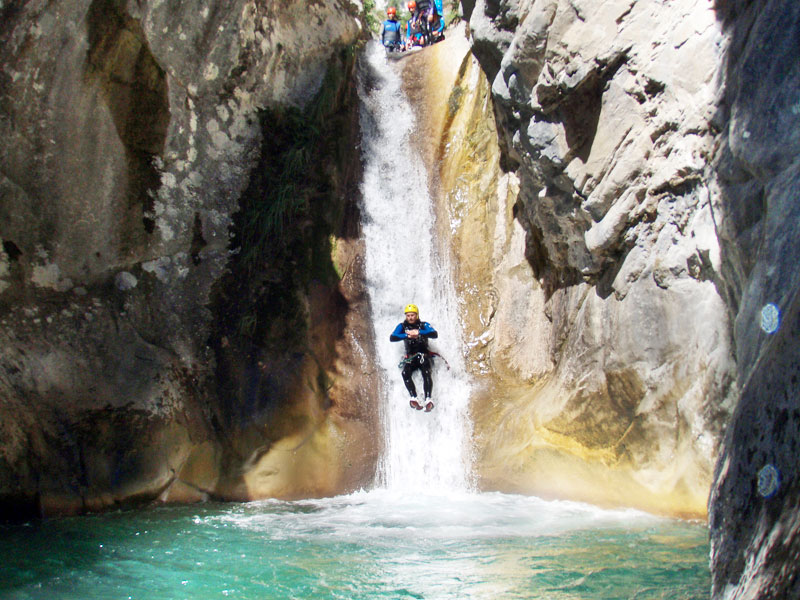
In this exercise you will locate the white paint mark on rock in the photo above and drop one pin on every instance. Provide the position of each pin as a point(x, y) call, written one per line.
point(168, 180)
point(125, 281)
point(770, 318)
point(159, 267)
point(219, 138)
point(769, 481)
point(49, 276)
point(211, 72)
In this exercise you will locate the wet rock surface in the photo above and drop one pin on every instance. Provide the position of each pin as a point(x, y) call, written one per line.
point(132, 133)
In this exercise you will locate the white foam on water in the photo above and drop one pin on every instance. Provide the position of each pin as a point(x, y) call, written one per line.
point(384, 515)
point(460, 545)
point(423, 451)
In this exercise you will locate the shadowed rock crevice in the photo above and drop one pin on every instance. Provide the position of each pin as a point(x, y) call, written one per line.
point(279, 311)
point(579, 111)
point(134, 87)
point(12, 250)
point(551, 277)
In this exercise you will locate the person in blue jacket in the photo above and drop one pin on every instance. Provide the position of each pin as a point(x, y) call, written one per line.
point(415, 335)
point(391, 33)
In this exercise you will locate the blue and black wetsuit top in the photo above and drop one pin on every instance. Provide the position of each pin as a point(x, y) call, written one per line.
point(390, 33)
point(414, 345)
point(424, 8)
point(412, 29)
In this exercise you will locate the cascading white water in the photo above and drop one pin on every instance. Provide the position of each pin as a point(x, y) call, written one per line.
point(428, 452)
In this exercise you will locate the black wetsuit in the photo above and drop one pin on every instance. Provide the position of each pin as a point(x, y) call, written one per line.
point(417, 354)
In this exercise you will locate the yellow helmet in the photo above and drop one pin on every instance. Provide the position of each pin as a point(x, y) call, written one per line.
point(411, 308)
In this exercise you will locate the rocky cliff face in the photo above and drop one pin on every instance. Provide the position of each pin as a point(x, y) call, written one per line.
point(157, 157)
point(610, 339)
point(656, 149)
point(754, 516)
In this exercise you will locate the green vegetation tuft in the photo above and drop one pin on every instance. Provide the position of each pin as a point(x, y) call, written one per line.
point(372, 16)
point(454, 101)
point(452, 12)
point(289, 215)
point(266, 215)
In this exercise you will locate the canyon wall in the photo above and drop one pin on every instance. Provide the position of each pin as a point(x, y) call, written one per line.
point(652, 328)
point(178, 192)
point(753, 509)
point(602, 323)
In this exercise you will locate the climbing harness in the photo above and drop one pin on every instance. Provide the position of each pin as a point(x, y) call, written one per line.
point(409, 358)
point(436, 354)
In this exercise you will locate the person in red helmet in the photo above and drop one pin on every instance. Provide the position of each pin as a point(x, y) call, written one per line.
point(391, 34)
point(424, 13)
point(413, 31)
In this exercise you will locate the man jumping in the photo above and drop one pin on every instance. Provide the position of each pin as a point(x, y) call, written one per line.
point(415, 334)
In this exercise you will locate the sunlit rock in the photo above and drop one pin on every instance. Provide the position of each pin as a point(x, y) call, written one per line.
point(593, 307)
point(656, 146)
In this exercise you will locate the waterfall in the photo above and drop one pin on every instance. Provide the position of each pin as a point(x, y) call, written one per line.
point(428, 452)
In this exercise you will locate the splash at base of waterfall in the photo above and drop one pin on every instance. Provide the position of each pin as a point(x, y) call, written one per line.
point(365, 546)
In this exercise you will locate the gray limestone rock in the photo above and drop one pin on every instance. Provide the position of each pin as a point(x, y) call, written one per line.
point(606, 111)
point(131, 131)
point(657, 148)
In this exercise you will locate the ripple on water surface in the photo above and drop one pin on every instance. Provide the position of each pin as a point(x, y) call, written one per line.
point(364, 546)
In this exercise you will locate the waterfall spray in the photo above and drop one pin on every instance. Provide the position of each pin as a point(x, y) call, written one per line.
point(424, 451)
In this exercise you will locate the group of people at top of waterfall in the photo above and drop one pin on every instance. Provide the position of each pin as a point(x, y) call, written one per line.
point(424, 26)
point(415, 335)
